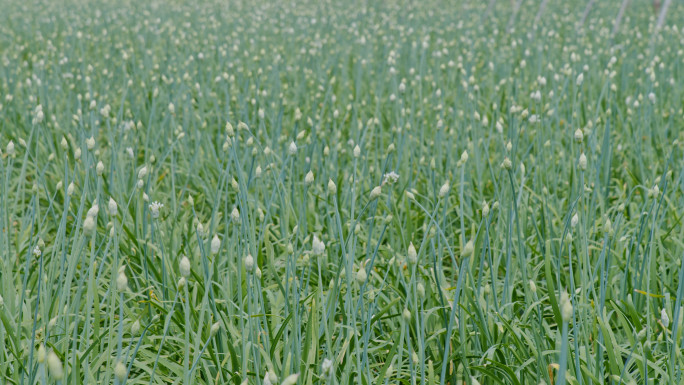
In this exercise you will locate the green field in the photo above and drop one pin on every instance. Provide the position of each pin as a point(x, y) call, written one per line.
point(341, 192)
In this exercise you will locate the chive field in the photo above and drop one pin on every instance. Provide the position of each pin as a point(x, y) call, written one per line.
point(341, 192)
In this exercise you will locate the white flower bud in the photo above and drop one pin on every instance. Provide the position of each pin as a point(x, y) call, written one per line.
point(641, 335)
point(70, 188)
point(361, 276)
point(309, 178)
point(184, 266)
point(235, 215)
point(88, 224)
point(113, 208)
point(579, 136)
point(291, 379)
point(566, 311)
point(464, 157)
point(357, 151)
point(406, 314)
point(121, 281)
point(655, 191)
point(215, 328)
point(317, 246)
point(135, 328)
point(575, 220)
point(468, 249)
point(41, 354)
point(580, 79)
point(326, 367)
point(485, 208)
point(412, 253)
point(608, 227)
point(332, 188)
point(90, 143)
point(99, 168)
point(142, 172)
point(55, 366)
point(420, 288)
point(390, 371)
point(272, 376)
point(375, 192)
point(582, 162)
point(120, 371)
point(10, 148)
point(664, 319)
point(249, 263)
point(215, 244)
point(506, 164)
point(93, 211)
point(566, 307)
point(444, 190)
point(292, 150)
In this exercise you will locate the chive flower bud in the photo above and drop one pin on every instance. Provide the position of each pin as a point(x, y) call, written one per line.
point(412, 254)
point(120, 371)
point(184, 266)
point(112, 206)
point(215, 244)
point(55, 366)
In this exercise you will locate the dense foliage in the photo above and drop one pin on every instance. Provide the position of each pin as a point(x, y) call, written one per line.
point(370, 192)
